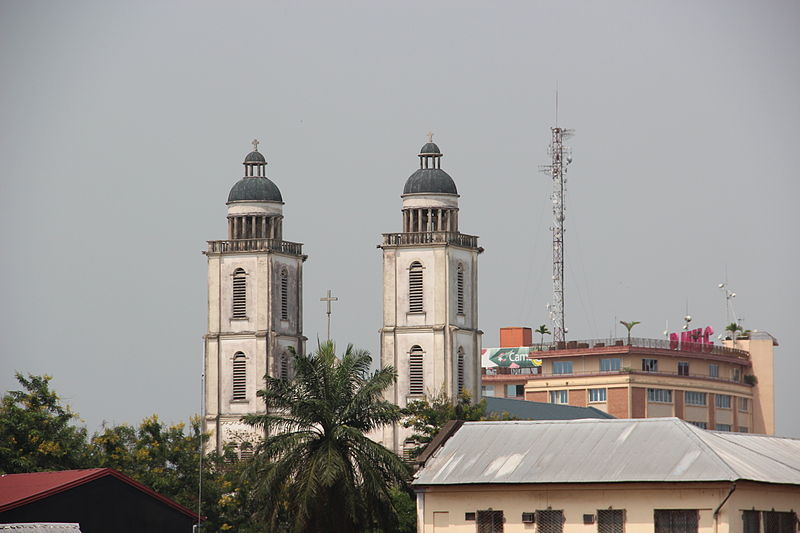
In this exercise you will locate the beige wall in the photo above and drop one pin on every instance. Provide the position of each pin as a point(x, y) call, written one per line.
point(448, 505)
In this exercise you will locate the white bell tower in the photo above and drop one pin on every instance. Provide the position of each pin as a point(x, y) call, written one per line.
point(255, 314)
point(430, 295)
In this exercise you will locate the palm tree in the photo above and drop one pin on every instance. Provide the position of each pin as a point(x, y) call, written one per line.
point(317, 470)
point(733, 327)
point(629, 327)
point(542, 330)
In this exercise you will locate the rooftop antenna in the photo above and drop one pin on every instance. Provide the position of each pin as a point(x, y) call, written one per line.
point(730, 312)
point(560, 158)
point(687, 317)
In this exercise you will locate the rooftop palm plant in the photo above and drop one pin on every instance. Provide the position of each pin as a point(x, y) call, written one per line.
point(629, 326)
point(542, 330)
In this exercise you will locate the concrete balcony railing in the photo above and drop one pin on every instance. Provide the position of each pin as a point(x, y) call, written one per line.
point(534, 373)
point(430, 237)
point(255, 245)
point(612, 344)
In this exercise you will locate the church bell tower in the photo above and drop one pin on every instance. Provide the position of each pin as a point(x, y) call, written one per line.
point(255, 314)
point(430, 295)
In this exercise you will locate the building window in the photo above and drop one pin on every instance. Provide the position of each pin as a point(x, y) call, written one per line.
point(676, 521)
point(562, 367)
point(284, 294)
point(239, 293)
point(549, 521)
point(736, 375)
point(490, 521)
point(773, 521)
point(743, 429)
point(610, 521)
point(694, 398)
point(701, 425)
point(415, 288)
point(723, 401)
point(597, 395)
point(744, 404)
point(416, 376)
point(245, 451)
point(515, 391)
point(487, 391)
point(723, 427)
point(460, 289)
point(650, 365)
point(659, 395)
point(283, 369)
point(683, 368)
point(558, 396)
point(460, 370)
point(713, 371)
point(239, 376)
point(610, 365)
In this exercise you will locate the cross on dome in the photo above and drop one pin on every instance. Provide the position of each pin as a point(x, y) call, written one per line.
point(430, 136)
point(255, 144)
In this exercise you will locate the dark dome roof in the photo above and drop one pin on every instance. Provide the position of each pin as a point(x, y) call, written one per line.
point(255, 189)
point(430, 148)
point(255, 157)
point(430, 180)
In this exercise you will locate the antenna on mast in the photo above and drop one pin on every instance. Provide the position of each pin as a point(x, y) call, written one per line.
point(560, 158)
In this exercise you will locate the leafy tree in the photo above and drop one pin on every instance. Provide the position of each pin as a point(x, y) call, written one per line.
point(733, 328)
point(317, 470)
point(542, 330)
point(629, 326)
point(427, 417)
point(36, 431)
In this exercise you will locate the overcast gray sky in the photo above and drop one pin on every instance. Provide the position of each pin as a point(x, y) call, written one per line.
point(124, 124)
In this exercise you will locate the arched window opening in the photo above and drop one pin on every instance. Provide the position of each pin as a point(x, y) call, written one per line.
point(415, 287)
point(416, 376)
point(460, 289)
point(239, 376)
point(239, 293)
point(460, 371)
point(284, 294)
point(283, 367)
point(245, 451)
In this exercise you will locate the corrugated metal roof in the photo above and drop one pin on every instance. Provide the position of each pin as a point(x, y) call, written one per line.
point(527, 410)
point(43, 527)
point(607, 451)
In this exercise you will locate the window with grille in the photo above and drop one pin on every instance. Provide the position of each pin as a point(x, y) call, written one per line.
point(239, 293)
point(460, 289)
point(723, 401)
point(610, 365)
point(701, 425)
point(610, 521)
point(490, 521)
point(694, 398)
point(676, 521)
point(597, 395)
point(683, 368)
point(284, 295)
point(558, 396)
point(239, 376)
point(460, 370)
point(769, 521)
point(415, 288)
point(743, 429)
point(659, 395)
point(245, 451)
point(549, 521)
point(416, 376)
point(650, 365)
point(723, 427)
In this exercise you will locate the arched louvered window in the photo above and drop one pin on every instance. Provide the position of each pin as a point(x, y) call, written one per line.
point(460, 370)
point(239, 293)
point(239, 376)
point(460, 289)
point(416, 376)
point(284, 294)
point(283, 368)
point(245, 451)
point(415, 288)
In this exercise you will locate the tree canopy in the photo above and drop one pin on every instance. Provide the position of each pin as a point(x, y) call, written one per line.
point(317, 470)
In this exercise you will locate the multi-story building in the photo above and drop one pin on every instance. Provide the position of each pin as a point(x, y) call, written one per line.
point(255, 315)
point(430, 329)
point(725, 387)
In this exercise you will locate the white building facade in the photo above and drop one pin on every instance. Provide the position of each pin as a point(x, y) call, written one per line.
point(430, 329)
point(255, 289)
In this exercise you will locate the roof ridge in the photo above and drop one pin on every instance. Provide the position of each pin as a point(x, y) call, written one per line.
point(752, 450)
point(694, 431)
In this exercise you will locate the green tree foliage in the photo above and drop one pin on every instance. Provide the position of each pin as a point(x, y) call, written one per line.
point(37, 432)
point(629, 326)
point(317, 470)
point(426, 417)
point(542, 330)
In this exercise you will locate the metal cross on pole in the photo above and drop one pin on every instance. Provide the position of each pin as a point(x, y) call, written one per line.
point(255, 144)
point(328, 299)
point(430, 136)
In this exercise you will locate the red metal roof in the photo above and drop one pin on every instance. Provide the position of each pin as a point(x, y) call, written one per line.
point(21, 489)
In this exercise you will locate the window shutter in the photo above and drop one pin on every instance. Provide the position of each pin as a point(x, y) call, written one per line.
point(415, 288)
point(416, 377)
point(239, 294)
point(284, 295)
point(239, 376)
